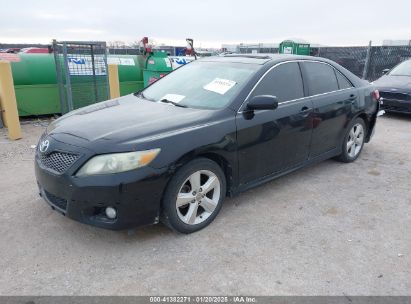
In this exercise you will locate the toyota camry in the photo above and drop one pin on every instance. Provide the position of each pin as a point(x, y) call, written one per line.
point(213, 128)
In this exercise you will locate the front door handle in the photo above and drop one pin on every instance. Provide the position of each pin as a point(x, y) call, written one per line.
point(352, 97)
point(305, 109)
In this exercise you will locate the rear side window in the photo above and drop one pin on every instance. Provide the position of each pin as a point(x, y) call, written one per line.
point(284, 82)
point(343, 82)
point(320, 78)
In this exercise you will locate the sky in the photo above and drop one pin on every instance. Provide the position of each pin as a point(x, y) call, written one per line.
point(209, 23)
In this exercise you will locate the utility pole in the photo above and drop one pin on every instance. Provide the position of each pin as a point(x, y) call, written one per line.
point(367, 61)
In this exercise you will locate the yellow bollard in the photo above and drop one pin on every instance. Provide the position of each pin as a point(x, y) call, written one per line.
point(8, 102)
point(113, 80)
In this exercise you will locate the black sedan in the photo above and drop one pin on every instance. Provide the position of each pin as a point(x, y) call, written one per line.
point(395, 88)
point(213, 128)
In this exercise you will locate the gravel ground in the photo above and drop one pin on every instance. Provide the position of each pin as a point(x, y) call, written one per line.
point(329, 229)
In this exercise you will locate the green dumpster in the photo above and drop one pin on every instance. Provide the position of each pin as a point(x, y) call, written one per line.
point(156, 66)
point(37, 91)
point(35, 84)
point(130, 72)
point(291, 47)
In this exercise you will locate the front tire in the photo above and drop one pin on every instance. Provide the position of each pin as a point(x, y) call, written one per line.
point(353, 142)
point(194, 196)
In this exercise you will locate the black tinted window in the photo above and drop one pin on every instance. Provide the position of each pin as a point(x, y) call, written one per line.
point(320, 78)
point(343, 81)
point(284, 81)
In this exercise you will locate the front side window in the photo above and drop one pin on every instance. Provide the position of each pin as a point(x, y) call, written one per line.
point(284, 81)
point(320, 78)
point(202, 84)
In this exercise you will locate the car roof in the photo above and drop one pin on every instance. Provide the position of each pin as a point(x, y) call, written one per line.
point(273, 59)
point(258, 58)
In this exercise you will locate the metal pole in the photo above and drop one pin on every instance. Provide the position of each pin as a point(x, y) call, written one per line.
point(367, 61)
point(106, 67)
point(59, 77)
point(68, 80)
point(94, 74)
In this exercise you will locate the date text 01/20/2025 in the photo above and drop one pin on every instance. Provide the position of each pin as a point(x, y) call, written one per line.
point(203, 299)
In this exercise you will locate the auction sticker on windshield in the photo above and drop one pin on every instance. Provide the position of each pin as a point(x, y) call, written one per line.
point(173, 97)
point(220, 86)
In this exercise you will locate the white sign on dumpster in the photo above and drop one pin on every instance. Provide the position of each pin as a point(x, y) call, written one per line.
point(120, 61)
point(83, 66)
point(288, 50)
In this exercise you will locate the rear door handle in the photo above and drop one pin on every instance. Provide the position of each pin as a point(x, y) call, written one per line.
point(353, 97)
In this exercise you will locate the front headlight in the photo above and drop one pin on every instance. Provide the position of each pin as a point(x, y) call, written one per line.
point(117, 162)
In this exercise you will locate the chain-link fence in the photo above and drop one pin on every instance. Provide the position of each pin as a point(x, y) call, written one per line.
point(258, 48)
point(365, 62)
point(81, 73)
point(352, 58)
point(385, 57)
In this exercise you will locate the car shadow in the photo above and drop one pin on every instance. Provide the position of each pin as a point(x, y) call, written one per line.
point(158, 232)
point(400, 116)
point(88, 233)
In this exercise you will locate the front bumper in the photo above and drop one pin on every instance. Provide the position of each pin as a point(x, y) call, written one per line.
point(136, 195)
point(400, 103)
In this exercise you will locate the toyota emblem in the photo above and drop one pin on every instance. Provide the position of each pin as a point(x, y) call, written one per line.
point(44, 145)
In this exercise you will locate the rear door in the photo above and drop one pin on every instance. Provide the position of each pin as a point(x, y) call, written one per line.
point(272, 140)
point(332, 95)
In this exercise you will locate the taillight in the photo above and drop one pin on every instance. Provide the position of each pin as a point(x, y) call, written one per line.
point(376, 95)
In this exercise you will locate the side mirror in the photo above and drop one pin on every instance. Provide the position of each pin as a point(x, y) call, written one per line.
point(385, 71)
point(263, 102)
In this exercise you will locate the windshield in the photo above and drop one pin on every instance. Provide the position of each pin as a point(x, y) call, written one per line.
point(403, 69)
point(201, 84)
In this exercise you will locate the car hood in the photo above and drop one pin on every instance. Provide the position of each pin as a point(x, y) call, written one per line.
point(394, 82)
point(127, 118)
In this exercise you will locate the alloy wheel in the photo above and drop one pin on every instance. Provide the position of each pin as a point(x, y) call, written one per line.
point(355, 140)
point(198, 197)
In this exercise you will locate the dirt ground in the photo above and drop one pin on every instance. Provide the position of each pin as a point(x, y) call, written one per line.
point(329, 229)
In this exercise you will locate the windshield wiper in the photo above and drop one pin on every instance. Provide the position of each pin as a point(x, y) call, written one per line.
point(173, 103)
point(138, 94)
point(141, 95)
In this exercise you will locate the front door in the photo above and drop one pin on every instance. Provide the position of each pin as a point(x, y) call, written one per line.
point(270, 141)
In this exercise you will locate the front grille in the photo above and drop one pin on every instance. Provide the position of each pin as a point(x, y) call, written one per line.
point(395, 96)
point(59, 202)
point(58, 161)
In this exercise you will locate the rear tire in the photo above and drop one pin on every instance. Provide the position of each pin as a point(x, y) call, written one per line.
point(353, 142)
point(194, 196)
